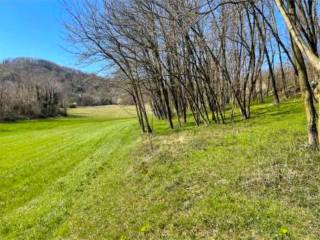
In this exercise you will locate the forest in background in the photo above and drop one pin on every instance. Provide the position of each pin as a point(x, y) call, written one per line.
point(33, 88)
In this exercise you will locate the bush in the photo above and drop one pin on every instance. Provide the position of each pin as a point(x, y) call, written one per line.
point(73, 105)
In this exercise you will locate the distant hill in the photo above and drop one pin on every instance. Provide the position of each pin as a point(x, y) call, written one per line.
point(75, 86)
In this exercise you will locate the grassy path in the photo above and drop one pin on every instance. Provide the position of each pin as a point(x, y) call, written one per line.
point(44, 166)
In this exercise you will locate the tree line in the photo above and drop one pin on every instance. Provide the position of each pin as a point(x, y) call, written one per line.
point(203, 56)
point(28, 99)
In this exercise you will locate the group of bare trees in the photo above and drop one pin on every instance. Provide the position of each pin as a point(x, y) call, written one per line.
point(21, 99)
point(202, 56)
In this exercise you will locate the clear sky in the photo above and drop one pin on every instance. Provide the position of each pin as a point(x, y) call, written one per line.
point(34, 28)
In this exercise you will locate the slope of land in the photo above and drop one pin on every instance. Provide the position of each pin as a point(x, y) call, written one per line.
point(93, 176)
point(73, 85)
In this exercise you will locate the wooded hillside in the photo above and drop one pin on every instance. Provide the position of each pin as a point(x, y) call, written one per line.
point(39, 88)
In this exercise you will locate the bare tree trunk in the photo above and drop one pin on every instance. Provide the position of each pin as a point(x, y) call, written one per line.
point(296, 38)
point(306, 90)
point(272, 77)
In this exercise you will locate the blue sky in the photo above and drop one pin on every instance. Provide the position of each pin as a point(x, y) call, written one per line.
point(34, 28)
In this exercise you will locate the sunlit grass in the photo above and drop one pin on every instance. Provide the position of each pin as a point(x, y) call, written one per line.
point(105, 112)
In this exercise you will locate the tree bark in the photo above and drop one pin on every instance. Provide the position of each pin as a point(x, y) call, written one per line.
point(305, 89)
point(312, 57)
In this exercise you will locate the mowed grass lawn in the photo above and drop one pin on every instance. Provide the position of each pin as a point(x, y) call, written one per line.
point(94, 176)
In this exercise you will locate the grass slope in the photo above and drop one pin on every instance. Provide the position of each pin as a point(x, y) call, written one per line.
point(95, 177)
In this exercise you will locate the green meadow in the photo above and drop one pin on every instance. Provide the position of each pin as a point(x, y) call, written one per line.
point(94, 175)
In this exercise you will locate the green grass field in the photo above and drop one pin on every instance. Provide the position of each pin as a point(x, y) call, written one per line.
point(94, 176)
